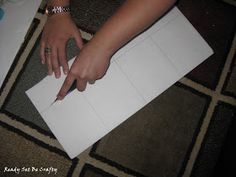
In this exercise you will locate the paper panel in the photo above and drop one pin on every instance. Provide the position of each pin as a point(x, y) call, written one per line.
point(74, 123)
point(114, 98)
point(138, 39)
point(162, 22)
point(182, 44)
point(45, 92)
point(148, 69)
point(171, 15)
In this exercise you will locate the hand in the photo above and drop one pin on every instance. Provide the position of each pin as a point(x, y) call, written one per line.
point(91, 64)
point(58, 29)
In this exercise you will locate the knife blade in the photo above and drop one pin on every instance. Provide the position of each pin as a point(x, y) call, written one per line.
point(73, 87)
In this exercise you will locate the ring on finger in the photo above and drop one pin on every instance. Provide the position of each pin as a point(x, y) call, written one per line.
point(48, 50)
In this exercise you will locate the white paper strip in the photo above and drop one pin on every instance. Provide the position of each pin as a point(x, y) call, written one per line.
point(139, 72)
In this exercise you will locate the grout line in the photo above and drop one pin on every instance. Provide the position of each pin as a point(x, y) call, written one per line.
point(227, 99)
point(196, 86)
point(227, 65)
point(31, 132)
point(82, 161)
point(207, 91)
point(231, 2)
point(84, 158)
point(21, 61)
point(197, 145)
point(110, 169)
point(216, 96)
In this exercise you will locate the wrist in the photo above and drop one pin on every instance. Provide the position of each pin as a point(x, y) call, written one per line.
point(58, 2)
point(53, 10)
point(99, 46)
point(60, 16)
point(108, 40)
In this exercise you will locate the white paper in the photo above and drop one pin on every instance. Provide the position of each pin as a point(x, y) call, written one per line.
point(13, 28)
point(150, 71)
point(114, 98)
point(77, 125)
point(139, 72)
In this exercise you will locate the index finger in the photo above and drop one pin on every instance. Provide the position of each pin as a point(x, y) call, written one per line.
point(66, 86)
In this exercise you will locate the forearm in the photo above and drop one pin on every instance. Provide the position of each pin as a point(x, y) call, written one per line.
point(132, 18)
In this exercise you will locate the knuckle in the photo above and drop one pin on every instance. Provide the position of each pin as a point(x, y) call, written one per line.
point(82, 76)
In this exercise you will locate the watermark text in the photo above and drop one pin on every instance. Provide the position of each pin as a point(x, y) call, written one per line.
point(18, 170)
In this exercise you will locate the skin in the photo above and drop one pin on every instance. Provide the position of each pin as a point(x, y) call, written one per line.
point(91, 64)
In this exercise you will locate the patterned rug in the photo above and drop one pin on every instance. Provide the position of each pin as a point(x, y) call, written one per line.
point(180, 133)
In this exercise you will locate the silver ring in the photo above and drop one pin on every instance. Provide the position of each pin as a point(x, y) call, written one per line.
point(48, 50)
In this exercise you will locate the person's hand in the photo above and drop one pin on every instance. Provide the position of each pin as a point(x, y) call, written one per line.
point(91, 64)
point(58, 29)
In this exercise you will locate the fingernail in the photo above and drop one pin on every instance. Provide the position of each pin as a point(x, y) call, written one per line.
point(42, 61)
point(65, 72)
point(57, 75)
